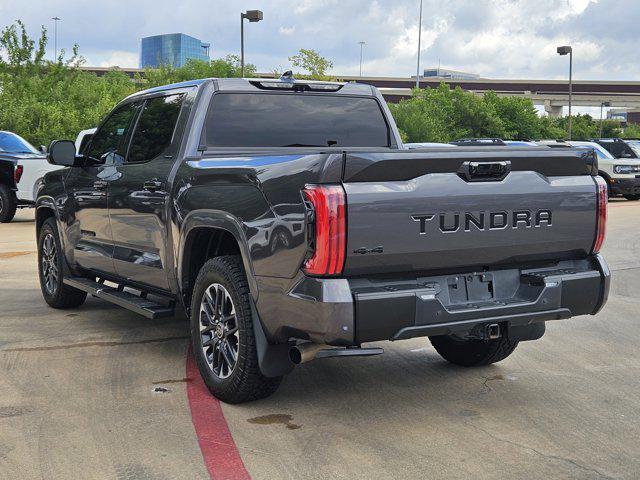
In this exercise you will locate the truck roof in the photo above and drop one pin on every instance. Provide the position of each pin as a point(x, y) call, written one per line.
point(262, 84)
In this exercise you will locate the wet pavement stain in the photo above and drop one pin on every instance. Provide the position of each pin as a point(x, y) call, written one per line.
point(486, 386)
point(5, 255)
point(8, 412)
point(175, 380)
point(274, 419)
point(467, 413)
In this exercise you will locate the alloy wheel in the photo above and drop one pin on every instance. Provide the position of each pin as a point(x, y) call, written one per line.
point(49, 264)
point(219, 330)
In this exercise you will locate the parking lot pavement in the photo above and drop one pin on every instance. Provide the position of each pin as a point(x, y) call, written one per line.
point(77, 400)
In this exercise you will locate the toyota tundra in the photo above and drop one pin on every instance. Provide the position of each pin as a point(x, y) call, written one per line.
point(285, 218)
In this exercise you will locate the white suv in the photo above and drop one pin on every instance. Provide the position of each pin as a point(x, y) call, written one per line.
point(622, 174)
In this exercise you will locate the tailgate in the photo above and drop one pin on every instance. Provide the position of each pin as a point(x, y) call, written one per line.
point(430, 211)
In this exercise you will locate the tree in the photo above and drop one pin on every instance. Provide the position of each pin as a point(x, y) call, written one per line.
point(630, 131)
point(43, 100)
point(193, 69)
point(442, 114)
point(311, 62)
point(518, 115)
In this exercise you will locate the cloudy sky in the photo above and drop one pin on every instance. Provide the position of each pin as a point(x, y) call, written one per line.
point(494, 38)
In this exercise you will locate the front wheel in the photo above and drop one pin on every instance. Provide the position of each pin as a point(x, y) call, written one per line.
point(222, 334)
point(51, 270)
point(473, 353)
point(632, 197)
point(8, 204)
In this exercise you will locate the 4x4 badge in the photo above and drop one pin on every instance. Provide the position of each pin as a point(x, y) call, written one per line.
point(365, 250)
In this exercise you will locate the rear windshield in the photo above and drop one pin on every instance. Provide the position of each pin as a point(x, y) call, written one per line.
point(294, 120)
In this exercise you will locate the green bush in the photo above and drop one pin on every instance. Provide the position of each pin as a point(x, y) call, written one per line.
point(44, 100)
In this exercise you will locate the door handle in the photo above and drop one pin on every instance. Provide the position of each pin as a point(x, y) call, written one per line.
point(152, 185)
point(100, 184)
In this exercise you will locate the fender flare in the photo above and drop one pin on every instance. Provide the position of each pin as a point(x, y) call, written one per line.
point(216, 219)
point(48, 203)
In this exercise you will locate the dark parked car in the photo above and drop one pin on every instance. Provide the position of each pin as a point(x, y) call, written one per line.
point(285, 218)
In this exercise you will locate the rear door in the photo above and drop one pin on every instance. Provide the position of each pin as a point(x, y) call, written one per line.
point(421, 211)
point(87, 187)
point(139, 193)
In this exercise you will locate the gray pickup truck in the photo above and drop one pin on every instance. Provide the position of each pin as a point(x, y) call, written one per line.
point(287, 221)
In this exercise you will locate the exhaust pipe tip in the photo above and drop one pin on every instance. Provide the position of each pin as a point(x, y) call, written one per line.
point(295, 356)
point(305, 352)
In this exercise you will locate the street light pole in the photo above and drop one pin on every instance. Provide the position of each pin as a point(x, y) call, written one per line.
point(361, 45)
point(603, 104)
point(564, 50)
point(252, 16)
point(55, 37)
point(570, 89)
point(419, 39)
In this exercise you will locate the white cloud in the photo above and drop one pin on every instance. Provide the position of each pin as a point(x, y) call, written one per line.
point(115, 59)
point(287, 31)
point(495, 38)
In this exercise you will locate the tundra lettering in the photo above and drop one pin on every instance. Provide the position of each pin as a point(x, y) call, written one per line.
point(450, 222)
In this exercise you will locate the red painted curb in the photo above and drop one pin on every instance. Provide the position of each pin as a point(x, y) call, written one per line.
point(219, 451)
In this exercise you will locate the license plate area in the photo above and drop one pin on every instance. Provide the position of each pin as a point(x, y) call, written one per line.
point(469, 288)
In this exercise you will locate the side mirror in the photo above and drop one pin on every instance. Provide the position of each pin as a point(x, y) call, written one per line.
point(63, 153)
point(42, 149)
point(626, 155)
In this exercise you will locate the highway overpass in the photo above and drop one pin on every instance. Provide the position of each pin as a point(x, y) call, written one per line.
point(552, 94)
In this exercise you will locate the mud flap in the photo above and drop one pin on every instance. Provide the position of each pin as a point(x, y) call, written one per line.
point(273, 359)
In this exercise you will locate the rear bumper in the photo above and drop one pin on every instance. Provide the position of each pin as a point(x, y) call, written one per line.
point(625, 186)
point(355, 311)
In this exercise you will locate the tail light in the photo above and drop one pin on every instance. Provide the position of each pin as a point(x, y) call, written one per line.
point(327, 229)
point(601, 226)
point(17, 174)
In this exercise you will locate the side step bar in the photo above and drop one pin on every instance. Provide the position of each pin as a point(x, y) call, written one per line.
point(118, 296)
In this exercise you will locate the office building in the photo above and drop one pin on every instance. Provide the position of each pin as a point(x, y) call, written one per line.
point(172, 49)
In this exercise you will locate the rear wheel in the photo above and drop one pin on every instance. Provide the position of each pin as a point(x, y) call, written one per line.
point(632, 197)
point(51, 270)
point(7, 204)
point(473, 353)
point(222, 334)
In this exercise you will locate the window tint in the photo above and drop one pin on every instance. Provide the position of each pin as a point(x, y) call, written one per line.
point(85, 142)
point(108, 143)
point(155, 127)
point(10, 142)
point(294, 120)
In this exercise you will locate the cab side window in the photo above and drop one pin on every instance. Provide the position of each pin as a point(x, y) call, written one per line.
point(109, 143)
point(155, 128)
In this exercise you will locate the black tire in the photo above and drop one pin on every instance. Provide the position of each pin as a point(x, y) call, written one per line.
point(243, 382)
point(632, 197)
point(51, 270)
point(473, 353)
point(8, 204)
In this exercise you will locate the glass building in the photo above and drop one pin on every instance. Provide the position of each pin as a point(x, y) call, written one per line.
point(171, 49)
